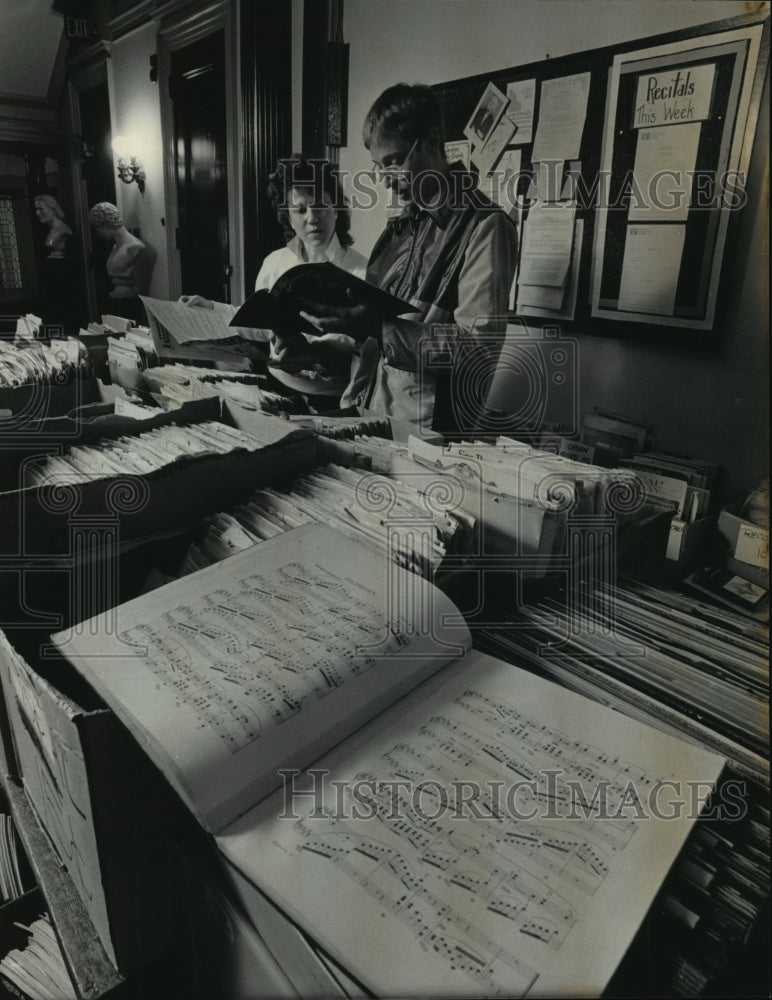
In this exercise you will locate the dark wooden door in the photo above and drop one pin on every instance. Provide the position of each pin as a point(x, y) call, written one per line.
point(197, 88)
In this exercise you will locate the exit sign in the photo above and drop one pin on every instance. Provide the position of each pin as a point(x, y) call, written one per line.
point(79, 27)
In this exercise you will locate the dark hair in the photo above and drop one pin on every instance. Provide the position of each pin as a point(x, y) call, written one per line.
point(322, 176)
point(404, 110)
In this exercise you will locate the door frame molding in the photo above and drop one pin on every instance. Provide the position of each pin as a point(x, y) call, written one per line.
point(176, 32)
point(90, 70)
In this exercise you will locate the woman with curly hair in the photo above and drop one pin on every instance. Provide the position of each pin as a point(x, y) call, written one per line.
point(311, 208)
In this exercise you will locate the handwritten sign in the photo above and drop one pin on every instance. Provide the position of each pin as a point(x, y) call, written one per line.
point(674, 96)
point(459, 150)
point(752, 546)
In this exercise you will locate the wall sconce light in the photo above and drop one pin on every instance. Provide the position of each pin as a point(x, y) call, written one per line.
point(129, 167)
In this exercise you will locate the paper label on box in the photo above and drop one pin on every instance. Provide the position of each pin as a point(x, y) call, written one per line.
point(577, 450)
point(125, 408)
point(675, 539)
point(752, 546)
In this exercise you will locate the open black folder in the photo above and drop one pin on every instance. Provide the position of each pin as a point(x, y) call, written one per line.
point(298, 289)
point(434, 847)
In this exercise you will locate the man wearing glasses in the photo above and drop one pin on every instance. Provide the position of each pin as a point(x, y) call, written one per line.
point(451, 253)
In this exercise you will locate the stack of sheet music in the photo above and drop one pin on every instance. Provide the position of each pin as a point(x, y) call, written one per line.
point(717, 894)
point(519, 470)
point(141, 454)
point(346, 446)
point(681, 483)
point(134, 350)
point(38, 970)
point(181, 383)
point(611, 436)
point(11, 884)
point(362, 504)
point(681, 664)
point(374, 429)
point(38, 361)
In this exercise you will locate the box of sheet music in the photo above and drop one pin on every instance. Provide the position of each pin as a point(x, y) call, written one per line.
point(107, 412)
point(510, 524)
point(109, 814)
point(170, 496)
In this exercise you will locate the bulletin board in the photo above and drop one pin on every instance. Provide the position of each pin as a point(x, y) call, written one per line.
point(624, 170)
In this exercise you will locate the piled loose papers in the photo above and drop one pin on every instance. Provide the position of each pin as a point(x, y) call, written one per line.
point(11, 885)
point(38, 970)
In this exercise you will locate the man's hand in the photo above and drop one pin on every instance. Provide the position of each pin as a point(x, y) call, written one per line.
point(360, 320)
point(288, 348)
point(196, 300)
point(294, 353)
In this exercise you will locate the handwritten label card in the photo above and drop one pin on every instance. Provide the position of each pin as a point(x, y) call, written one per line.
point(752, 546)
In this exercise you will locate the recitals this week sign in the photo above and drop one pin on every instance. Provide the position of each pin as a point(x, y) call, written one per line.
point(674, 96)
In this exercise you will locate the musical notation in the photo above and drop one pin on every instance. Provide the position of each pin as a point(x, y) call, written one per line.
point(245, 657)
point(482, 893)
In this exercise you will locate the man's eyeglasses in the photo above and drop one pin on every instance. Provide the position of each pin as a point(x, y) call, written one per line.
point(394, 169)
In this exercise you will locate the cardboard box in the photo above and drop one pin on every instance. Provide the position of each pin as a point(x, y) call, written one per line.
point(110, 816)
point(38, 400)
point(42, 520)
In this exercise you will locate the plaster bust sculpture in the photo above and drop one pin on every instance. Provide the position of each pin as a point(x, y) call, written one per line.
point(49, 212)
point(130, 262)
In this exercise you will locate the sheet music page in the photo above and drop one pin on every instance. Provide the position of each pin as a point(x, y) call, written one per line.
point(263, 660)
point(191, 324)
point(473, 867)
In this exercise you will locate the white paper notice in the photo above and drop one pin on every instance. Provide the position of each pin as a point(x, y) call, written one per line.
point(566, 304)
point(547, 242)
point(489, 155)
point(549, 180)
point(665, 159)
point(650, 268)
point(674, 97)
point(752, 546)
point(548, 297)
point(520, 111)
point(562, 113)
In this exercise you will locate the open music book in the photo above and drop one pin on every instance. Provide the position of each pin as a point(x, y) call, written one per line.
point(296, 291)
point(473, 830)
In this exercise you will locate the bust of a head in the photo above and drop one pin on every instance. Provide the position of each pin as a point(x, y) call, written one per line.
point(50, 212)
point(105, 218)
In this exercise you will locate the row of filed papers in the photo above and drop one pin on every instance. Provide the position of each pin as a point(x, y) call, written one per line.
point(515, 469)
point(348, 499)
point(141, 454)
point(181, 383)
point(37, 361)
